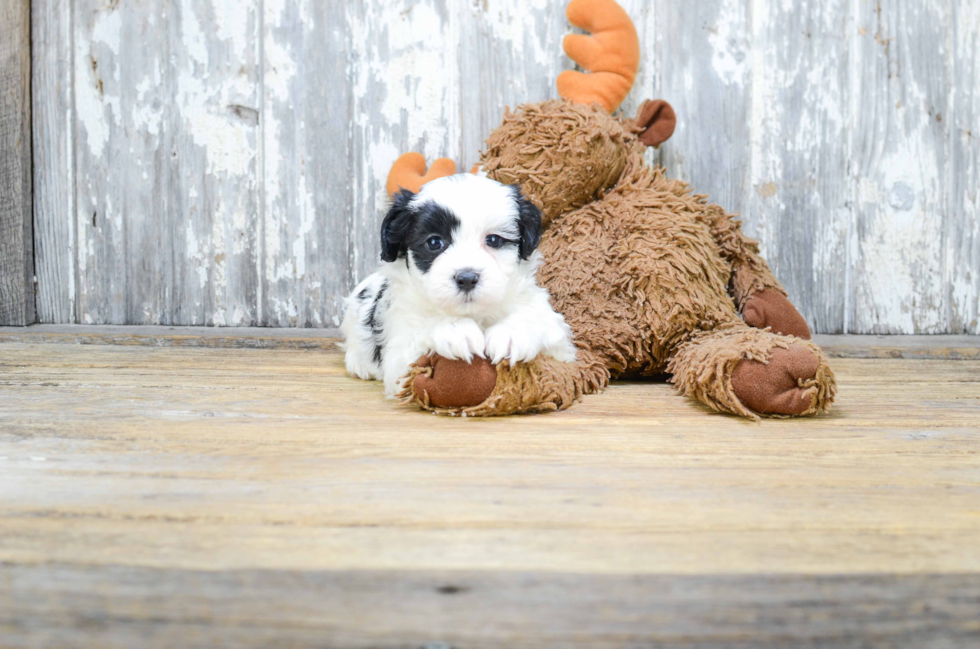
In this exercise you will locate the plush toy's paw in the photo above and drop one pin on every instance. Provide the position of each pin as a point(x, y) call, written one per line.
point(770, 308)
point(517, 345)
point(449, 383)
point(460, 339)
point(786, 385)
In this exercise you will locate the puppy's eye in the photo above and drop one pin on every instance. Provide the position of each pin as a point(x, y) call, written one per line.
point(434, 243)
point(495, 241)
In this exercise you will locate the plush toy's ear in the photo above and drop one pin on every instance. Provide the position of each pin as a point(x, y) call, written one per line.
point(396, 226)
point(655, 122)
point(528, 224)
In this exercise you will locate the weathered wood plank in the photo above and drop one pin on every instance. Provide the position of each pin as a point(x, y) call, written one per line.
point(276, 459)
point(307, 174)
point(16, 218)
point(706, 69)
point(87, 606)
point(406, 97)
point(900, 167)
point(963, 214)
point(213, 206)
point(167, 150)
point(125, 157)
point(799, 202)
point(251, 497)
point(54, 175)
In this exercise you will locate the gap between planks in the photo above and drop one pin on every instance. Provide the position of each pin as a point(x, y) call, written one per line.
point(913, 347)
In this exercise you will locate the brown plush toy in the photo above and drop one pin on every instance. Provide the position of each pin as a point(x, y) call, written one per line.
point(650, 277)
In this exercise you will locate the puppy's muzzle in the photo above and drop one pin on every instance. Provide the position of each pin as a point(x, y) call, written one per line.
point(467, 279)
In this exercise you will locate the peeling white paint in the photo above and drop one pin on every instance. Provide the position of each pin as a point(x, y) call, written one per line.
point(727, 41)
point(95, 55)
point(186, 115)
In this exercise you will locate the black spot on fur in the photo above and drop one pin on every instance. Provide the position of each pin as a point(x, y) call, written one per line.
point(396, 226)
point(406, 229)
point(433, 220)
point(528, 224)
point(374, 323)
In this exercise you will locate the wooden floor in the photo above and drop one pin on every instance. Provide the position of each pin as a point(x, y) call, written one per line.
point(174, 495)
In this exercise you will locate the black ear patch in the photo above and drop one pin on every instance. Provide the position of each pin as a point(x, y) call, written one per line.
point(528, 224)
point(396, 226)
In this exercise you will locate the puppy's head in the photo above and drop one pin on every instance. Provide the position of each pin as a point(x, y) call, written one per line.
point(466, 240)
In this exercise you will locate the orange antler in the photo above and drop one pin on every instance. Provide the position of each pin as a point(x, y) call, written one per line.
point(611, 54)
point(408, 172)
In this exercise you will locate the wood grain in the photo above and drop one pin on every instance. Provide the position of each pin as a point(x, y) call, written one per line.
point(54, 172)
point(962, 222)
point(124, 156)
point(900, 166)
point(16, 220)
point(707, 77)
point(306, 174)
point(213, 137)
point(53, 605)
point(236, 495)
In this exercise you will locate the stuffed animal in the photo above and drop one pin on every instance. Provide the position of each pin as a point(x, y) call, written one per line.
point(651, 278)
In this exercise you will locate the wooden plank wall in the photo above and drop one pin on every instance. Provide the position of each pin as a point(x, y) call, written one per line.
point(16, 234)
point(222, 162)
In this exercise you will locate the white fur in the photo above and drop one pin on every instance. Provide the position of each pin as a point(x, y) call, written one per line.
point(507, 315)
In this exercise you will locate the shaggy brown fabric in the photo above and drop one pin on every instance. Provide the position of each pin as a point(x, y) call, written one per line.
point(542, 385)
point(635, 273)
point(702, 369)
point(770, 308)
point(649, 276)
point(561, 154)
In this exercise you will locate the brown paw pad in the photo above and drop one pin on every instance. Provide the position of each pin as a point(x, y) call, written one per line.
point(770, 308)
point(455, 384)
point(784, 386)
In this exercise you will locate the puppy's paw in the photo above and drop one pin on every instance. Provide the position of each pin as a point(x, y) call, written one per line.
point(518, 345)
point(460, 339)
point(563, 351)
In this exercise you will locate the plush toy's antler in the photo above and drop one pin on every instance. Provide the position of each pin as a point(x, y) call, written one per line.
point(611, 54)
point(409, 173)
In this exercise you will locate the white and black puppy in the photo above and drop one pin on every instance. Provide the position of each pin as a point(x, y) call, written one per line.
point(457, 279)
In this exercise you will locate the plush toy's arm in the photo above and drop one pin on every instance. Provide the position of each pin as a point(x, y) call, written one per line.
point(481, 389)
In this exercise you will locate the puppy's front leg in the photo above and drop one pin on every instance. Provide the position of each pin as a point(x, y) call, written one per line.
point(533, 329)
point(451, 338)
point(458, 339)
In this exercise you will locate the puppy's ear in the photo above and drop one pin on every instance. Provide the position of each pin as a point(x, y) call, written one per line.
point(396, 226)
point(528, 224)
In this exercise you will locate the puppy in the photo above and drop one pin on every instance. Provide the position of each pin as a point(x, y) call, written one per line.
point(457, 279)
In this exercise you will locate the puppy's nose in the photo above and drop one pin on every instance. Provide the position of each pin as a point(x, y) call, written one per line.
point(466, 279)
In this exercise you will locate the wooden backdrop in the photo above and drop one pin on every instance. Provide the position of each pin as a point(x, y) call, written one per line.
point(222, 162)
